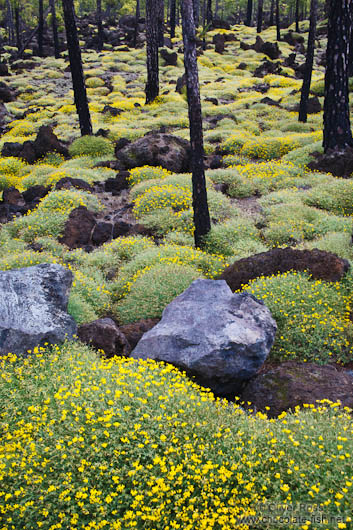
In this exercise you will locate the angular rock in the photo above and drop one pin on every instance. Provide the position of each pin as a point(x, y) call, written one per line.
point(267, 67)
point(339, 162)
point(218, 337)
point(102, 232)
point(12, 196)
point(292, 384)
point(104, 334)
point(4, 70)
point(45, 142)
point(33, 305)
point(117, 184)
point(313, 106)
point(170, 58)
point(78, 228)
point(181, 84)
point(320, 264)
point(134, 332)
point(69, 182)
point(6, 94)
point(157, 149)
point(219, 42)
point(35, 193)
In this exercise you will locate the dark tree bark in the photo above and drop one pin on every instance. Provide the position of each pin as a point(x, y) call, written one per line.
point(248, 13)
point(18, 29)
point(55, 29)
point(209, 14)
point(100, 25)
point(297, 16)
point(278, 27)
point(9, 20)
point(216, 9)
point(160, 23)
point(40, 28)
point(303, 114)
point(78, 80)
point(199, 194)
point(272, 13)
point(172, 18)
point(260, 9)
point(196, 11)
point(137, 18)
point(152, 85)
point(337, 127)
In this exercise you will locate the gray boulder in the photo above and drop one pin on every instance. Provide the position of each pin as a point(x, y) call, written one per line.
point(33, 304)
point(220, 338)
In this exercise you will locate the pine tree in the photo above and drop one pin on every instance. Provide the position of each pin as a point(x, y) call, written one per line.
point(152, 85)
point(248, 13)
point(55, 29)
point(308, 63)
point(337, 127)
point(100, 25)
point(78, 81)
point(260, 8)
point(199, 194)
point(40, 28)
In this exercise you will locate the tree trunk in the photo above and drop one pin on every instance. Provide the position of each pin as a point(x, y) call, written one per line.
point(209, 14)
point(196, 11)
point(199, 194)
point(18, 29)
point(337, 127)
point(272, 13)
point(55, 29)
point(248, 13)
point(10, 24)
point(40, 28)
point(152, 85)
point(137, 18)
point(278, 27)
point(78, 80)
point(297, 16)
point(160, 23)
point(100, 25)
point(216, 9)
point(259, 15)
point(172, 18)
point(303, 115)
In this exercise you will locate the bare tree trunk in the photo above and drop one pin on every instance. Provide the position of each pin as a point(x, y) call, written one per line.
point(199, 194)
point(152, 85)
point(18, 28)
point(137, 18)
point(278, 27)
point(303, 114)
point(160, 23)
point(337, 127)
point(216, 9)
point(297, 16)
point(100, 25)
point(40, 28)
point(209, 14)
point(78, 80)
point(10, 23)
point(55, 29)
point(172, 18)
point(272, 13)
point(260, 8)
point(196, 10)
point(248, 13)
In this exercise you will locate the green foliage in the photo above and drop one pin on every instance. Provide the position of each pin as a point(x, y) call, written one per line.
point(312, 317)
point(304, 155)
point(91, 146)
point(335, 196)
point(237, 237)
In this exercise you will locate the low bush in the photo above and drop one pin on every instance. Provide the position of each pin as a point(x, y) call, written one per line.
point(93, 146)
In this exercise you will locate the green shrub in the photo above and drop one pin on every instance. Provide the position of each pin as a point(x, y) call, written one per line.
point(94, 82)
point(303, 155)
point(93, 146)
point(139, 174)
point(153, 290)
point(336, 242)
point(335, 196)
point(265, 148)
point(312, 317)
point(224, 238)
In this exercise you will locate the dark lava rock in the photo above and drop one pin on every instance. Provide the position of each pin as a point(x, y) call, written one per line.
point(69, 182)
point(12, 196)
point(122, 228)
point(4, 70)
point(117, 184)
point(313, 106)
point(6, 94)
point(293, 38)
point(218, 337)
point(268, 67)
point(30, 151)
point(320, 264)
point(134, 332)
point(292, 384)
point(104, 334)
point(338, 162)
point(33, 305)
point(157, 149)
point(35, 193)
point(78, 228)
point(219, 42)
point(181, 84)
point(270, 49)
point(102, 232)
point(170, 58)
point(270, 101)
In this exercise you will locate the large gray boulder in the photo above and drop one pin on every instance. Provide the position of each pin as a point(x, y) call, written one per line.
point(218, 337)
point(33, 304)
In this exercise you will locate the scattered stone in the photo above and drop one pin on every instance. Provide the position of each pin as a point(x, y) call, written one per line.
point(218, 23)
point(219, 42)
point(78, 228)
point(4, 70)
point(122, 228)
point(293, 38)
point(337, 162)
point(13, 197)
point(313, 106)
point(212, 100)
point(102, 232)
point(6, 94)
point(320, 264)
point(270, 101)
point(268, 67)
point(69, 182)
point(134, 332)
point(34, 194)
point(118, 183)
point(33, 305)
point(218, 337)
point(157, 149)
point(291, 384)
point(181, 84)
point(31, 151)
point(113, 111)
point(170, 58)
point(103, 334)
